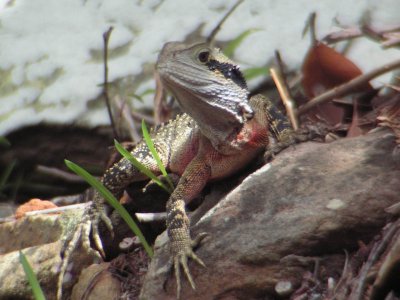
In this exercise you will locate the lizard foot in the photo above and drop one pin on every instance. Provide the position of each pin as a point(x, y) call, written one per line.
point(98, 213)
point(80, 232)
point(295, 137)
point(180, 259)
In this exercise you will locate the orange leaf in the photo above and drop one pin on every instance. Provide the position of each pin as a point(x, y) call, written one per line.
point(31, 205)
point(323, 69)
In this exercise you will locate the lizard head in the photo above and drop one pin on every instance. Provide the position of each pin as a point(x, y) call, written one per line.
point(208, 86)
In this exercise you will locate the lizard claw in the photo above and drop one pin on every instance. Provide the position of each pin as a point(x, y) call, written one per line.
point(98, 214)
point(197, 240)
point(181, 260)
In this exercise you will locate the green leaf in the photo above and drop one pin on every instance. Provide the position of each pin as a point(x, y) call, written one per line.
point(148, 92)
point(153, 151)
point(142, 168)
point(112, 201)
point(138, 97)
point(33, 282)
point(255, 72)
point(235, 43)
point(141, 95)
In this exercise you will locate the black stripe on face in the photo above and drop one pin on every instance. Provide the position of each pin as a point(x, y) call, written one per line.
point(229, 71)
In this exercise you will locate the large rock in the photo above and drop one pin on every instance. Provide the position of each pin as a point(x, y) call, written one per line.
point(40, 238)
point(308, 205)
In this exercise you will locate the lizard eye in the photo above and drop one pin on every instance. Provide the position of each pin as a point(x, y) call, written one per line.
point(204, 56)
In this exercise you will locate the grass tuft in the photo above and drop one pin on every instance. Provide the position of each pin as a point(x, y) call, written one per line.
point(32, 279)
point(109, 197)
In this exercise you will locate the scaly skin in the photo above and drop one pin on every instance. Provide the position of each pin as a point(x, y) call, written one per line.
point(221, 131)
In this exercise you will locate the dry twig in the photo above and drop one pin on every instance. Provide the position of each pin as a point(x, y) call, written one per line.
point(348, 87)
point(127, 116)
point(106, 38)
point(211, 37)
point(283, 88)
point(161, 112)
point(286, 99)
point(310, 25)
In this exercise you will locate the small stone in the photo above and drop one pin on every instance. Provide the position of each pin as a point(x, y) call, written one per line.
point(97, 282)
point(331, 284)
point(335, 204)
point(128, 243)
point(284, 288)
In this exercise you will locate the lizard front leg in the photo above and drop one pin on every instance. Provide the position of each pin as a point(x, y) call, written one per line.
point(191, 184)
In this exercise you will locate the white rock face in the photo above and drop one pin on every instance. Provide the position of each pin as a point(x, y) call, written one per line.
point(51, 51)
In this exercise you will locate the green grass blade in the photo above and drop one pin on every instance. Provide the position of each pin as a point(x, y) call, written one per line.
point(235, 43)
point(4, 142)
point(112, 201)
point(6, 174)
point(153, 151)
point(255, 72)
point(142, 168)
point(141, 95)
point(33, 282)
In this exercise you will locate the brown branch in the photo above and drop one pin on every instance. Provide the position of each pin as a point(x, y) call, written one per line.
point(386, 37)
point(211, 37)
point(287, 101)
point(127, 116)
point(58, 173)
point(310, 25)
point(348, 87)
point(374, 256)
point(161, 112)
point(138, 116)
point(106, 38)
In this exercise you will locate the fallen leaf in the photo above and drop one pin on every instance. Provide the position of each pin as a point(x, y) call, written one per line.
point(323, 69)
point(32, 205)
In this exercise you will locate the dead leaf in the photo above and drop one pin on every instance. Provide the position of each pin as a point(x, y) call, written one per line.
point(32, 205)
point(323, 69)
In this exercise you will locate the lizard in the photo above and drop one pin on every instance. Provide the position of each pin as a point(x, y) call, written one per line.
point(221, 130)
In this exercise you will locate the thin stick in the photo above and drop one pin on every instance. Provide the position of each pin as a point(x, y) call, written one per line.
point(211, 37)
point(151, 217)
point(142, 217)
point(58, 173)
point(290, 104)
point(287, 101)
point(345, 88)
point(161, 112)
point(310, 25)
point(126, 114)
point(57, 209)
point(106, 38)
point(138, 116)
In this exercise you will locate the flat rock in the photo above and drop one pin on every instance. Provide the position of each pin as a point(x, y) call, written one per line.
point(310, 203)
point(40, 238)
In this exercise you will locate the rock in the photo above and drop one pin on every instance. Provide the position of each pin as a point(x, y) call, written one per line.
point(40, 238)
point(301, 210)
point(97, 282)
